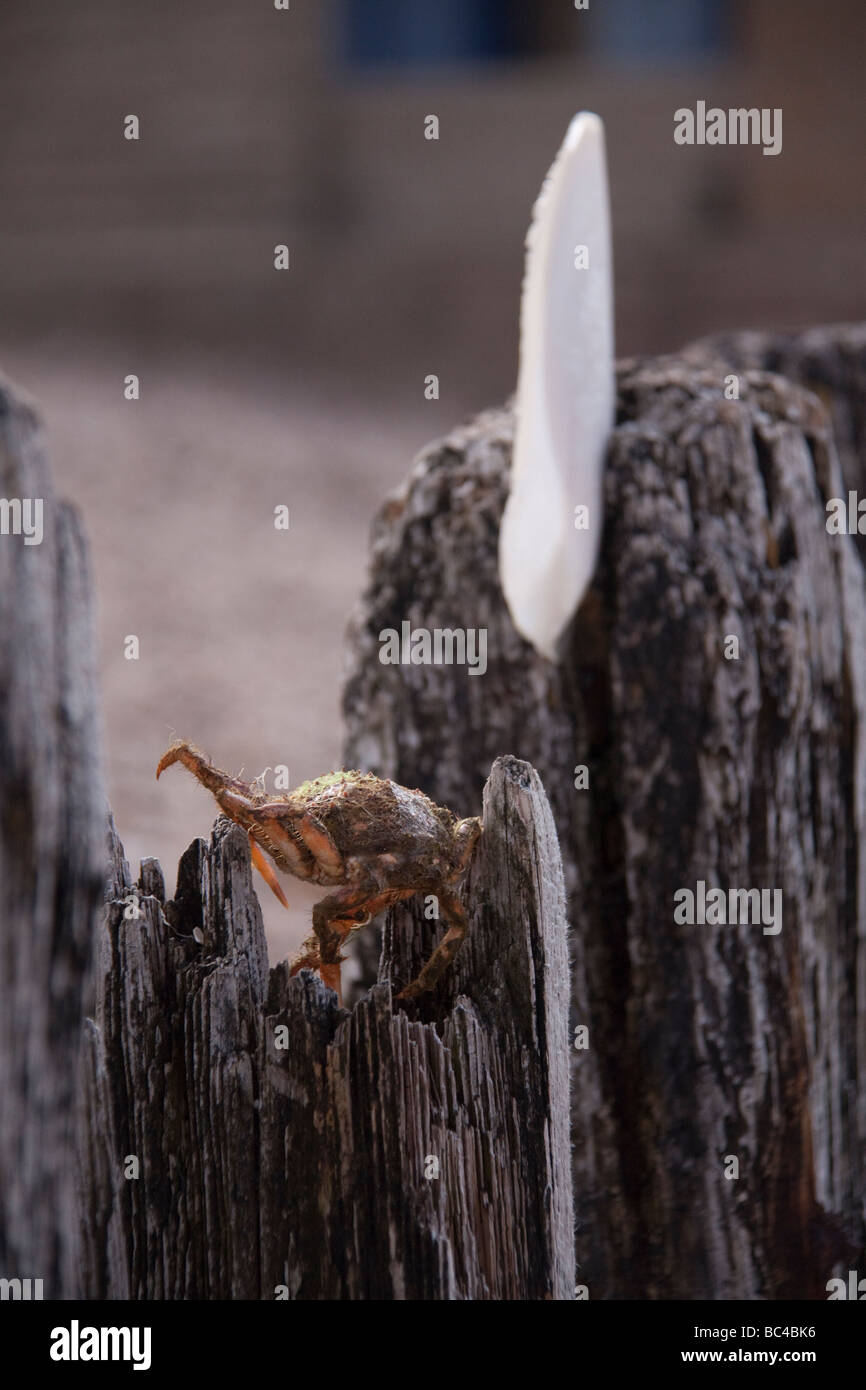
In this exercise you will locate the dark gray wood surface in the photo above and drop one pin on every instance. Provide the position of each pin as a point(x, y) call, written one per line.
point(213, 1163)
point(52, 839)
point(289, 1149)
point(705, 1041)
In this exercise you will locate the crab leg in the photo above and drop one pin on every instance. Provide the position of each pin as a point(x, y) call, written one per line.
point(310, 959)
point(455, 914)
point(266, 871)
point(232, 796)
point(335, 918)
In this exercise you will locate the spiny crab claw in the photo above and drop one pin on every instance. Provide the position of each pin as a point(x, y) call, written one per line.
point(233, 796)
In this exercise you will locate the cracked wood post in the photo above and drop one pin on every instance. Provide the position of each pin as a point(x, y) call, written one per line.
point(830, 362)
point(704, 1041)
point(52, 816)
point(287, 1148)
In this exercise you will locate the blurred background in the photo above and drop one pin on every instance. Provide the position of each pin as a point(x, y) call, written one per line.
point(306, 387)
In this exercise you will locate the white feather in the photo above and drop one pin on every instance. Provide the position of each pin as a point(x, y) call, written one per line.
point(565, 394)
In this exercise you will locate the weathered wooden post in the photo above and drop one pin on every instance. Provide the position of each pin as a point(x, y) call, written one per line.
point(705, 726)
point(247, 1138)
point(828, 361)
point(52, 816)
point(240, 1136)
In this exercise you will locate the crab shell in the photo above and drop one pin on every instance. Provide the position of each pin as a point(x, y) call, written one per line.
point(376, 841)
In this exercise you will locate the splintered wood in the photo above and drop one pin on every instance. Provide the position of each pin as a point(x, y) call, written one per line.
point(248, 1138)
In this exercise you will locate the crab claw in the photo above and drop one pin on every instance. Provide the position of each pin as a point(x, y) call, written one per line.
point(230, 789)
point(232, 796)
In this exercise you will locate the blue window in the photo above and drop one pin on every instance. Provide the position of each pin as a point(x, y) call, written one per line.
point(641, 32)
point(424, 33)
point(413, 33)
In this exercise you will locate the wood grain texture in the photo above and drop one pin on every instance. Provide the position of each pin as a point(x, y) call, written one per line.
point(705, 1041)
point(52, 815)
point(416, 1152)
point(828, 361)
point(303, 1169)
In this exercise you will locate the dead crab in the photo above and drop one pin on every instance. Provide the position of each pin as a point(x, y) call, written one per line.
point(379, 841)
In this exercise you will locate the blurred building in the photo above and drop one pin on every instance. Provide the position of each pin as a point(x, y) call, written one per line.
point(306, 127)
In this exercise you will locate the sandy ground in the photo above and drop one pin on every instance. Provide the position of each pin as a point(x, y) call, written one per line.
point(240, 625)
